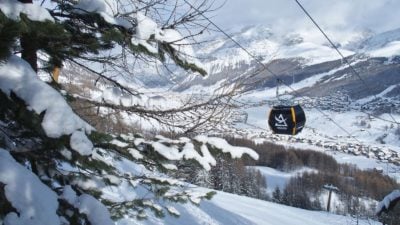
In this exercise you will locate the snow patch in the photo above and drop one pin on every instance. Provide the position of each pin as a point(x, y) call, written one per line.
point(69, 195)
point(80, 143)
point(205, 159)
point(66, 153)
point(236, 152)
point(12, 9)
point(147, 28)
point(95, 211)
point(119, 143)
point(384, 204)
point(171, 153)
point(35, 203)
point(115, 96)
point(18, 77)
point(389, 50)
point(169, 166)
point(135, 153)
point(380, 95)
point(181, 45)
point(275, 178)
point(173, 210)
point(124, 192)
point(104, 9)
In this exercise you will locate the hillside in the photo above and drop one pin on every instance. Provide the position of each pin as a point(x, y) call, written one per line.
point(345, 113)
point(296, 57)
point(227, 208)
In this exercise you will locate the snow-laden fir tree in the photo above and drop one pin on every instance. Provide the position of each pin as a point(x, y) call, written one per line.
point(55, 168)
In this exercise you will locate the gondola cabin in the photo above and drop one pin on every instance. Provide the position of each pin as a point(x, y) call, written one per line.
point(286, 119)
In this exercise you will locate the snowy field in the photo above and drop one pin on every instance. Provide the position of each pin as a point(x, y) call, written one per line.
point(369, 143)
point(276, 178)
point(320, 128)
point(321, 134)
point(229, 209)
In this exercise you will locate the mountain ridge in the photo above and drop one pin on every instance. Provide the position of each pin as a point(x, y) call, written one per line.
point(293, 58)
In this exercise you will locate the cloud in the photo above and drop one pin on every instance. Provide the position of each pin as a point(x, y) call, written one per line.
point(286, 15)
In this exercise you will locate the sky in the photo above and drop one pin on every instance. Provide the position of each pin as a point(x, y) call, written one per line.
point(333, 15)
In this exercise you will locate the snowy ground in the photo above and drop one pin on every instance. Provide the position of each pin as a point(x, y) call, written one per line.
point(358, 142)
point(276, 178)
point(227, 209)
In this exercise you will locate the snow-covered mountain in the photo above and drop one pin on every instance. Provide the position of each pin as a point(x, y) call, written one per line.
point(386, 39)
point(315, 70)
point(295, 57)
point(359, 111)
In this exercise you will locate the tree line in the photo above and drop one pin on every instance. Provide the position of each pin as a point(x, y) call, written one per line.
point(304, 190)
point(229, 175)
point(356, 187)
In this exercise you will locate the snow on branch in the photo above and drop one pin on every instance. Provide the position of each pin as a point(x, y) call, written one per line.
point(146, 29)
point(147, 32)
point(388, 202)
point(219, 143)
point(13, 9)
point(183, 50)
point(18, 77)
point(36, 204)
point(184, 148)
point(104, 9)
point(95, 211)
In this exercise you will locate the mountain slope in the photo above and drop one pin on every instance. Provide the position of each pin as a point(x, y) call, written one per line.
point(295, 57)
point(225, 208)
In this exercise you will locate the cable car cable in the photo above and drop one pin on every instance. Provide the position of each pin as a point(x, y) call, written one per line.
point(263, 65)
point(347, 62)
point(231, 38)
point(344, 60)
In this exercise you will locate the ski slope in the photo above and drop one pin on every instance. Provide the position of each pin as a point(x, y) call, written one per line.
point(276, 178)
point(230, 209)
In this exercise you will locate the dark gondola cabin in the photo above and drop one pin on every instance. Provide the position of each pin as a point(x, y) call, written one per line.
point(286, 119)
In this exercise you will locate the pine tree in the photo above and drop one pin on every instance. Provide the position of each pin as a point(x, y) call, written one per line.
point(277, 195)
point(61, 154)
point(77, 33)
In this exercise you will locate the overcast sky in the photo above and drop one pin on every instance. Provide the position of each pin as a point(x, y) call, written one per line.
point(286, 15)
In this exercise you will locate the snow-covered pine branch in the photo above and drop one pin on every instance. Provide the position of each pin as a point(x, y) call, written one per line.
point(388, 203)
point(104, 25)
point(81, 174)
point(96, 177)
point(109, 39)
